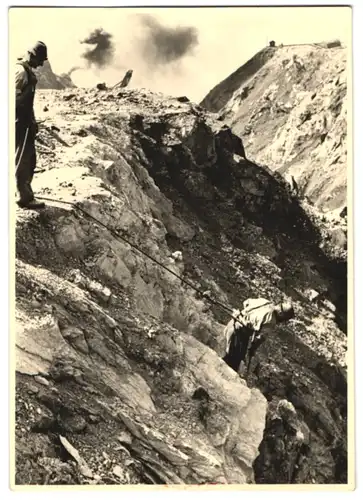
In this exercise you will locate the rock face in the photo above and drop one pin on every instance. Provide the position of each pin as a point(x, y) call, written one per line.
point(289, 105)
point(47, 79)
point(119, 370)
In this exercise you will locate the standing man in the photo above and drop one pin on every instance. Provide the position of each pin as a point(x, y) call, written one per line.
point(250, 326)
point(26, 127)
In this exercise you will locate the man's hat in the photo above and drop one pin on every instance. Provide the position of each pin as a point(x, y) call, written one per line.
point(39, 50)
point(287, 309)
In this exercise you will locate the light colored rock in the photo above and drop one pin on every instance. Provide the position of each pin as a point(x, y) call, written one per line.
point(312, 295)
point(38, 341)
point(124, 437)
point(177, 256)
point(118, 472)
point(41, 380)
point(83, 467)
point(76, 337)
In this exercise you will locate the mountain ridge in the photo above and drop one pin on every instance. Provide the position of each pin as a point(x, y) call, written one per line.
point(289, 105)
point(47, 79)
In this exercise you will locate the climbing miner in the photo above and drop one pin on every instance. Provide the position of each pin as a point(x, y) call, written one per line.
point(26, 127)
point(249, 327)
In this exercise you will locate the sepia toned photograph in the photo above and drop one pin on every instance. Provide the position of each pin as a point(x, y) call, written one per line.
point(180, 197)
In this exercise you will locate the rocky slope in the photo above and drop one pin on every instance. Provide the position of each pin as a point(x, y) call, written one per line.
point(289, 105)
point(119, 359)
point(47, 79)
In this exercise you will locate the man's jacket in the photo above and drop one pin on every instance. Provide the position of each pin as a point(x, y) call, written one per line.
point(25, 84)
point(257, 316)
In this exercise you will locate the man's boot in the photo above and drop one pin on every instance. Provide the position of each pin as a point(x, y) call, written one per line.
point(31, 205)
point(26, 195)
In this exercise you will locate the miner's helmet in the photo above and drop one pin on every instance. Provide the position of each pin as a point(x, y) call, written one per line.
point(285, 311)
point(39, 50)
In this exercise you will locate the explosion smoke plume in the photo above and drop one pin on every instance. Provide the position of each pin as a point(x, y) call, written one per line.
point(163, 44)
point(101, 55)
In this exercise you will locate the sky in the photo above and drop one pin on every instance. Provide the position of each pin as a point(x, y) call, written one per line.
point(223, 40)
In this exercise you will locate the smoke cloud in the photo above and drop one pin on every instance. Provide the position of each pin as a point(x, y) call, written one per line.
point(156, 51)
point(101, 55)
point(163, 45)
point(73, 69)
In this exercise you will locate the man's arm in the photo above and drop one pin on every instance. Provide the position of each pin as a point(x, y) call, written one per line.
point(228, 332)
point(21, 80)
point(34, 123)
point(265, 330)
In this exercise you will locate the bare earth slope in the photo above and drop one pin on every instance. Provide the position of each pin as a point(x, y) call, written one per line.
point(128, 356)
point(289, 105)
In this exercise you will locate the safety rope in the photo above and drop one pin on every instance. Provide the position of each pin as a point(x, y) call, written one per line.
point(22, 149)
point(116, 234)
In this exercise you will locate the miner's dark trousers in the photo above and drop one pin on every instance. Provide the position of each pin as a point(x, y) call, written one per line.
point(237, 348)
point(25, 158)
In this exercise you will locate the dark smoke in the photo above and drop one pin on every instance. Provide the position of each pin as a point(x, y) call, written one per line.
point(102, 54)
point(72, 70)
point(164, 45)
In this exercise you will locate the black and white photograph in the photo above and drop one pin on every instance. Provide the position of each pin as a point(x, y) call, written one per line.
point(181, 202)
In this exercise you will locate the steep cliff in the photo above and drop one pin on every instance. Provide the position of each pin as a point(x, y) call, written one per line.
point(122, 359)
point(289, 105)
point(47, 79)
